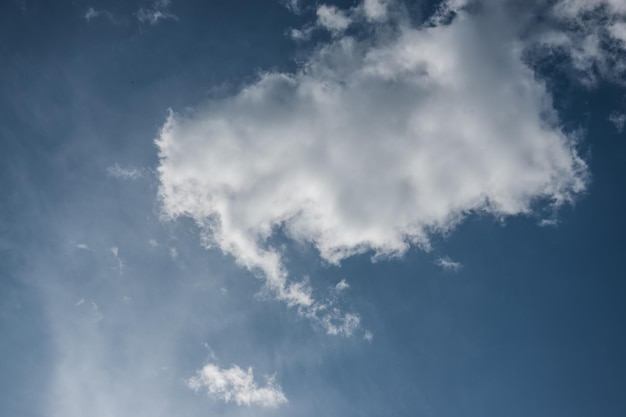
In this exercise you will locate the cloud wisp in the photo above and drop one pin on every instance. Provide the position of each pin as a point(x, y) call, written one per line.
point(92, 14)
point(158, 12)
point(448, 264)
point(374, 145)
point(238, 386)
point(591, 34)
point(128, 173)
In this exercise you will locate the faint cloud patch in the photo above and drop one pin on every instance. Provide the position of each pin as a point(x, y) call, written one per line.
point(120, 264)
point(548, 223)
point(448, 264)
point(341, 285)
point(80, 246)
point(618, 120)
point(157, 12)
point(95, 310)
point(92, 14)
point(237, 386)
point(128, 173)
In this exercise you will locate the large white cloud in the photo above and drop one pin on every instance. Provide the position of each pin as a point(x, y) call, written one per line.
point(374, 145)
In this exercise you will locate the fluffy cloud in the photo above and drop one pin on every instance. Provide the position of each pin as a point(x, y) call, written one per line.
point(374, 145)
point(332, 18)
point(238, 386)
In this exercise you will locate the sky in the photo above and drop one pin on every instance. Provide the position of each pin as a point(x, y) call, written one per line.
point(298, 208)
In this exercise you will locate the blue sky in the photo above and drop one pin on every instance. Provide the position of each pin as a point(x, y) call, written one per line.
point(296, 208)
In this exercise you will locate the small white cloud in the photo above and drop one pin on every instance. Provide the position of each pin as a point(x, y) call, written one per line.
point(158, 12)
point(174, 253)
point(80, 246)
point(618, 120)
point(153, 243)
point(80, 302)
point(96, 311)
point(300, 34)
point(368, 336)
point(448, 264)
point(341, 285)
point(292, 5)
point(129, 173)
point(210, 351)
point(548, 223)
point(336, 323)
point(238, 386)
point(92, 14)
point(120, 264)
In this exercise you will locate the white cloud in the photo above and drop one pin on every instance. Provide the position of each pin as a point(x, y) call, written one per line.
point(548, 223)
point(374, 145)
point(129, 173)
point(238, 386)
point(80, 245)
point(332, 18)
point(158, 12)
point(368, 336)
point(448, 264)
point(341, 286)
point(120, 264)
point(375, 10)
point(592, 33)
point(337, 323)
point(293, 5)
point(92, 13)
point(618, 120)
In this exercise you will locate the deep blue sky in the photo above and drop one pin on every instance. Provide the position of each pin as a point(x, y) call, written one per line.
point(108, 308)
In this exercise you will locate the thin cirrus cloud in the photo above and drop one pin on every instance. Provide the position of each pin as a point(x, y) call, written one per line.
point(374, 145)
point(157, 12)
point(448, 264)
point(238, 386)
point(125, 173)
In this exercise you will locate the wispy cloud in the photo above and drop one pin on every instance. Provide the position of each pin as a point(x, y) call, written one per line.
point(591, 34)
point(448, 264)
point(116, 255)
point(128, 173)
point(238, 386)
point(618, 120)
point(158, 12)
point(341, 286)
point(92, 14)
